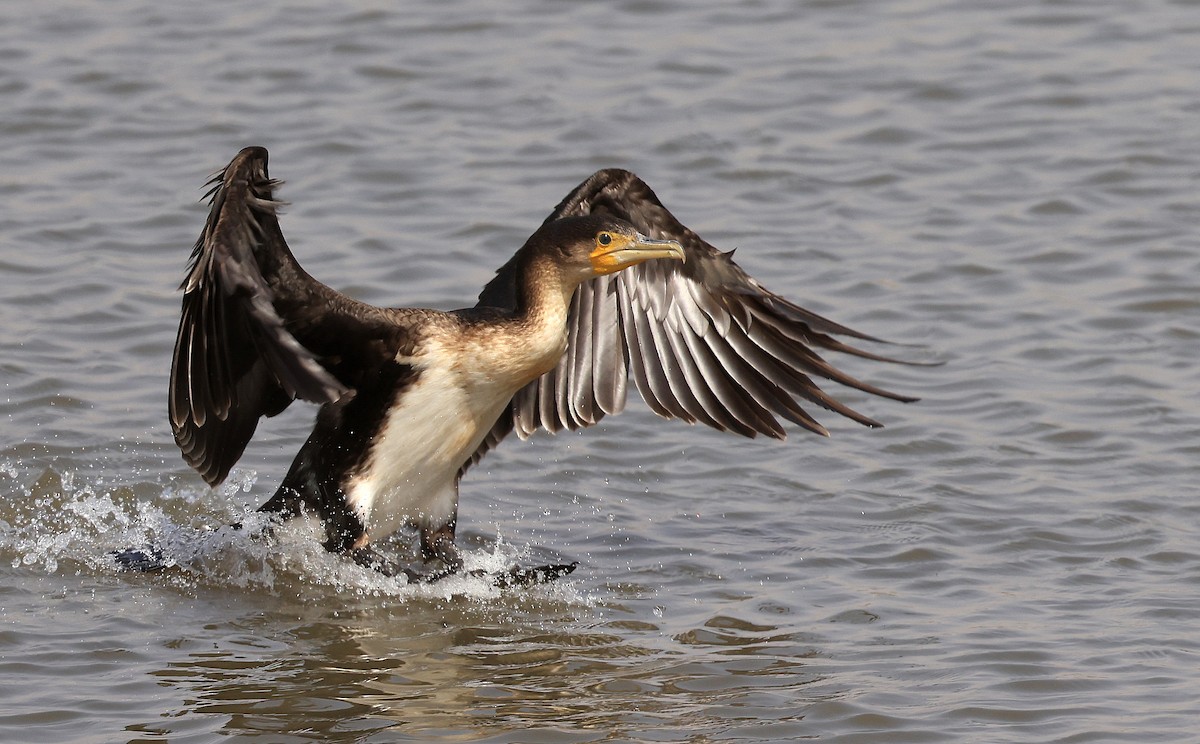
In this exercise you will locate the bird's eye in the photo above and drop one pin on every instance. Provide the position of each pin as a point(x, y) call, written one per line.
point(603, 238)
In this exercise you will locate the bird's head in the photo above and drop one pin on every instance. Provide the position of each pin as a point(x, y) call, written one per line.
point(594, 245)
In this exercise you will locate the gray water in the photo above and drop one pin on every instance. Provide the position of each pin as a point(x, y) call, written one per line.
point(1009, 187)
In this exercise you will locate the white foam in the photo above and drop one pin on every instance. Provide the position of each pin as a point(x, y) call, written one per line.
point(64, 521)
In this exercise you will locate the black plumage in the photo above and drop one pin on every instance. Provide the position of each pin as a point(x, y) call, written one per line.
point(701, 340)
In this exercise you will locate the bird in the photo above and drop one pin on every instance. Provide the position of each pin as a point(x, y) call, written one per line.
point(610, 289)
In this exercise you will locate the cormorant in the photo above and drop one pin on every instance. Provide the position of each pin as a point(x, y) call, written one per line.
point(610, 287)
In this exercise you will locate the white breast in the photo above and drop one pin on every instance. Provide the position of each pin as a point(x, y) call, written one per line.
point(411, 473)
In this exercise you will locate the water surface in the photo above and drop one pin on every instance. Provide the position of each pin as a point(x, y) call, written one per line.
point(1010, 187)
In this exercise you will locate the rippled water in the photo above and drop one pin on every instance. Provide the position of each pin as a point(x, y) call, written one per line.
point(1011, 186)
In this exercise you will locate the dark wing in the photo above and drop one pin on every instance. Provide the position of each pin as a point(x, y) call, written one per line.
point(256, 332)
point(703, 340)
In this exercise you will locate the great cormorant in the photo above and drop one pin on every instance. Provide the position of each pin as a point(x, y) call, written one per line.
point(610, 287)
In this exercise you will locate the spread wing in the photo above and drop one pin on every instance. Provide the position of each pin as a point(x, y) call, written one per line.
point(702, 340)
point(256, 332)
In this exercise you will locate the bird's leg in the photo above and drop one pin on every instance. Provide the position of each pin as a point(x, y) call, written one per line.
point(286, 502)
point(437, 543)
point(366, 557)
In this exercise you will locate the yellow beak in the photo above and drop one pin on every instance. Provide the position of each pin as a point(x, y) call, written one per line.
point(624, 252)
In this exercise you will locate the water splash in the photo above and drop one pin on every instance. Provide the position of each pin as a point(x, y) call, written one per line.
point(65, 522)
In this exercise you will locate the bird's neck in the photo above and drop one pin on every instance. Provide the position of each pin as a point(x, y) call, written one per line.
point(543, 306)
point(543, 289)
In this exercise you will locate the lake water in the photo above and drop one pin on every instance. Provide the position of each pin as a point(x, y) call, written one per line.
point(1010, 188)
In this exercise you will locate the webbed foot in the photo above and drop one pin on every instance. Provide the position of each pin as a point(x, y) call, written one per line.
point(152, 558)
point(517, 576)
point(510, 577)
point(139, 559)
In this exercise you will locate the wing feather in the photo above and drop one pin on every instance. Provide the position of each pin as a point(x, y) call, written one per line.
point(636, 355)
point(608, 354)
point(582, 394)
point(255, 331)
point(701, 340)
point(730, 410)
